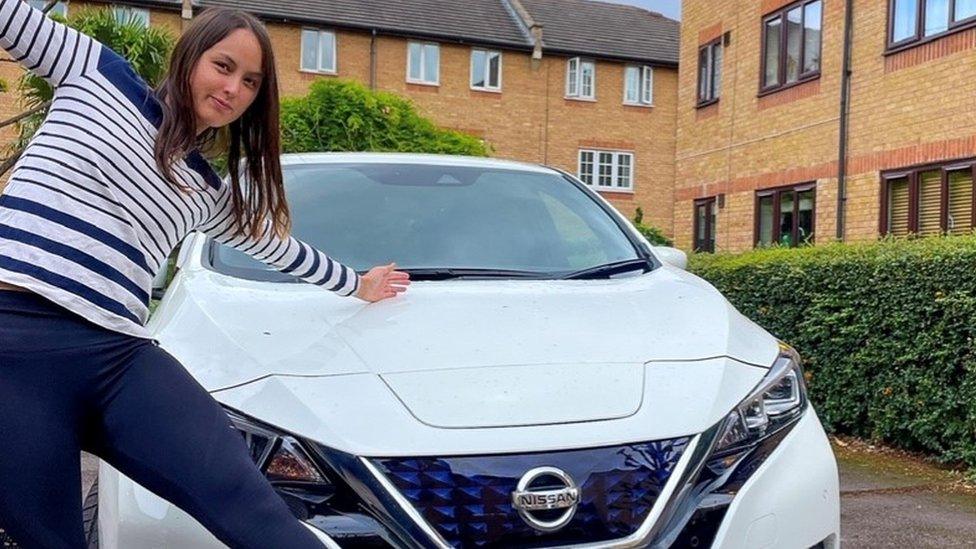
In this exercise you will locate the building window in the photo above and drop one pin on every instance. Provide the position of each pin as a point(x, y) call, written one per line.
point(910, 21)
point(318, 51)
point(934, 199)
point(486, 70)
point(608, 170)
point(791, 45)
point(580, 78)
point(785, 216)
point(61, 8)
point(423, 63)
point(706, 214)
point(709, 72)
point(127, 14)
point(639, 85)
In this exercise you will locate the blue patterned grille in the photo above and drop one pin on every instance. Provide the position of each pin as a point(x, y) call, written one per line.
point(468, 500)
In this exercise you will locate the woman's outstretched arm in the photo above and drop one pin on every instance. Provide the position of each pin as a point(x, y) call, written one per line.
point(288, 255)
point(52, 50)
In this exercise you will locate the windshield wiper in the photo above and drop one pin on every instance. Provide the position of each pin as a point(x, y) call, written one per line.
point(449, 273)
point(605, 271)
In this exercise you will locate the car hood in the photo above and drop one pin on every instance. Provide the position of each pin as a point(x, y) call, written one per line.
point(460, 355)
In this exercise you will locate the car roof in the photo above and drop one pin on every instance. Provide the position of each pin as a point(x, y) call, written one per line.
point(412, 158)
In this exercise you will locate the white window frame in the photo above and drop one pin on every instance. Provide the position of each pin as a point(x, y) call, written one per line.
point(487, 75)
point(423, 80)
point(124, 13)
point(61, 8)
point(334, 69)
point(575, 67)
point(594, 177)
point(645, 85)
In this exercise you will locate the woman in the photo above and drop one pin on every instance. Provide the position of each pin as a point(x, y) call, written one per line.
point(111, 183)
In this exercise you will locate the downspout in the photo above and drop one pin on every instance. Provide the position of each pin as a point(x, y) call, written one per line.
point(186, 14)
point(845, 96)
point(545, 125)
point(372, 60)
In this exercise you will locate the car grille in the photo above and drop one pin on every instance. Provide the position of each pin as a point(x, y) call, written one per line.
point(468, 500)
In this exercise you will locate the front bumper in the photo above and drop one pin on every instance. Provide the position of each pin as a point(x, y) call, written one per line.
point(791, 500)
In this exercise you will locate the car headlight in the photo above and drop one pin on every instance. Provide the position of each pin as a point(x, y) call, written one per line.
point(776, 402)
point(734, 449)
point(286, 464)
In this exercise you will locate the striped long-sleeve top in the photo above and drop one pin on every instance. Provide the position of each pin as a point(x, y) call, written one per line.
point(87, 219)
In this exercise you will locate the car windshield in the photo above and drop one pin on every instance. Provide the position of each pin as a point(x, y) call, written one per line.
point(441, 218)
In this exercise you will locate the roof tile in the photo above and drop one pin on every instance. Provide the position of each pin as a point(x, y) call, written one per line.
point(573, 27)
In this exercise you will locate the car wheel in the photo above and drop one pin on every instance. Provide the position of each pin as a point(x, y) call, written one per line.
point(90, 516)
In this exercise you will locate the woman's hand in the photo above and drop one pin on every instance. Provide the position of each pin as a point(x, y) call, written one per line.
point(382, 282)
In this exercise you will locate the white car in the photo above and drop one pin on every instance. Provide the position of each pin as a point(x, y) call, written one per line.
point(549, 379)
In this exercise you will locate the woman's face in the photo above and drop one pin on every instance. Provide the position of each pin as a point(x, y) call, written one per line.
point(226, 80)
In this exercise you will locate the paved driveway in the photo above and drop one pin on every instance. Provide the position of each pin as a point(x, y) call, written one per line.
point(893, 500)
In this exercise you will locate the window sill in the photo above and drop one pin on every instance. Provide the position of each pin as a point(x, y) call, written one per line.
point(893, 49)
point(327, 73)
point(423, 83)
point(703, 104)
point(611, 190)
point(487, 90)
point(581, 99)
point(804, 80)
point(639, 105)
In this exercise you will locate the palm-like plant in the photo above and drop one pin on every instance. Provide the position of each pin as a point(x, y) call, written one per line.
point(147, 49)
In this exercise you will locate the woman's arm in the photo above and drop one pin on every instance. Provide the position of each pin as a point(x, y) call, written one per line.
point(53, 51)
point(288, 255)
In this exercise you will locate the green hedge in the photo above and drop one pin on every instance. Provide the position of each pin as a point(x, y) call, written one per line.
point(886, 330)
point(343, 116)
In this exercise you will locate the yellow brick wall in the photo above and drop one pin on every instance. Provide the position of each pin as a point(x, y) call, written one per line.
point(608, 124)
point(746, 142)
point(904, 116)
point(529, 120)
point(907, 108)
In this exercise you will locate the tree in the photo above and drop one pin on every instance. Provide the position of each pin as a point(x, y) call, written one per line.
point(146, 49)
point(339, 115)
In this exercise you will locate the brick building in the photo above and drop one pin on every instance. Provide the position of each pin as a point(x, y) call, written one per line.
point(764, 144)
point(585, 86)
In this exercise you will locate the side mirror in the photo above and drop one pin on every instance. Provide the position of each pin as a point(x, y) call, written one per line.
point(672, 256)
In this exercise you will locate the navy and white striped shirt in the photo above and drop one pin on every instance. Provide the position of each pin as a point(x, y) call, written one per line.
point(87, 219)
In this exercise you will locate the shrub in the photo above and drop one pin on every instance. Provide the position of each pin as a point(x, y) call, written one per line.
point(339, 115)
point(886, 330)
point(652, 234)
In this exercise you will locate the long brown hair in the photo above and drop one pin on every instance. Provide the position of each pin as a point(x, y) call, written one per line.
point(255, 134)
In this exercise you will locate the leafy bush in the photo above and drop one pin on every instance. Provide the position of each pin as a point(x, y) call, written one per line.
point(339, 115)
point(886, 330)
point(652, 234)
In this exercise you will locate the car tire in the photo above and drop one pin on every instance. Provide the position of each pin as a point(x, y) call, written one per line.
point(90, 516)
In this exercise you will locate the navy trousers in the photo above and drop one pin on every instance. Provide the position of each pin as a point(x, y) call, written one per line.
point(68, 385)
